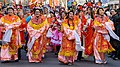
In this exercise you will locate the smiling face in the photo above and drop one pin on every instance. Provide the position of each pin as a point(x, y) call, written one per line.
point(37, 13)
point(15, 11)
point(63, 15)
point(71, 15)
point(10, 11)
point(101, 12)
point(89, 10)
point(45, 10)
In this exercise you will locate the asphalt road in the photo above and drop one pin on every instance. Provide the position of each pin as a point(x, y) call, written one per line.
point(51, 61)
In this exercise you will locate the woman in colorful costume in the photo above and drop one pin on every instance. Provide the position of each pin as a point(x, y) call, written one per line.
point(56, 38)
point(101, 45)
point(23, 27)
point(50, 20)
point(36, 28)
point(88, 32)
point(68, 52)
point(11, 38)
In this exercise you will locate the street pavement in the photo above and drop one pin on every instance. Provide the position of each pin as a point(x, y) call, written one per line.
point(52, 61)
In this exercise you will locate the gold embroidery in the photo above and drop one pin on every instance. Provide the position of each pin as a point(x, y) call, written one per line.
point(35, 56)
point(39, 25)
point(36, 53)
point(67, 26)
point(96, 23)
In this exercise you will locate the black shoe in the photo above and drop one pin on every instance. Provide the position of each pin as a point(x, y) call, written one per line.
point(78, 60)
point(56, 53)
point(82, 58)
point(119, 58)
point(16, 60)
point(115, 58)
point(60, 62)
point(70, 64)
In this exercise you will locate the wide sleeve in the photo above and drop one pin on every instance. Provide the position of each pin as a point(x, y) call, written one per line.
point(99, 27)
point(30, 30)
point(2, 21)
point(17, 23)
point(35, 32)
point(68, 32)
point(14, 25)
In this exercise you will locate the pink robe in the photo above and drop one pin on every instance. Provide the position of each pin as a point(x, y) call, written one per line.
point(101, 38)
point(35, 43)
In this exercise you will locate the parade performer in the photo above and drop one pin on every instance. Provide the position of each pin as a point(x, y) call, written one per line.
point(11, 38)
point(67, 53)
point(103, 26)
point(88, 32)
point(23, 27)
point(36, 28)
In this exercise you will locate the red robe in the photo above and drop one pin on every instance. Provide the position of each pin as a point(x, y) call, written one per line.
point(1, 28)
point(22, 29)
point(89, 40)
point(88, 36)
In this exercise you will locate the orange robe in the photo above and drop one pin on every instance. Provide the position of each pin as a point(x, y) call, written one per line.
point(9, 50)
point(67, 52)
